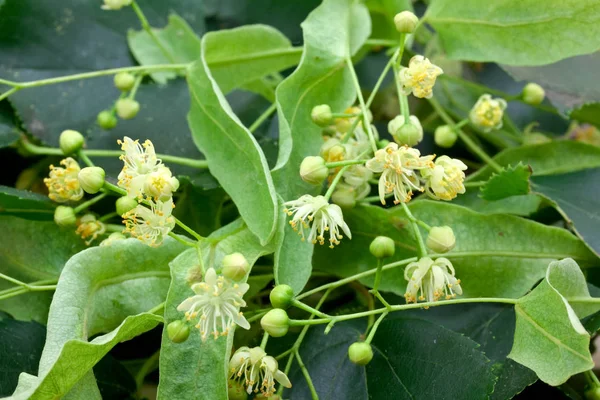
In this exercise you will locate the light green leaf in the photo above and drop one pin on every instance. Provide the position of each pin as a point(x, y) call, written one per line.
point(382, 15)
point(25, 204)
point(177, 44)
point(511, 181)
point(332, 32)
point(523, 206)
point(566, 277)
point(516, 32)
point(549, 338)
point(293, 259)
point(234, 157)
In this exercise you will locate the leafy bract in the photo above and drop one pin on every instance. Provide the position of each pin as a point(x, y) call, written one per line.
point(511, 181)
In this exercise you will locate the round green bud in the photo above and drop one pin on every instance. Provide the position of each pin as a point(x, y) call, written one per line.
point(65, 216)
point(127, 108)
point(91, 179)
point(281, 296)
point(344, 196)
point(360, 353)
point(445, 136)
point(441, 239)
point(236, 391)
point(235, 266)
point(382, 247)
point(106, 120)
point(313, 170)
point(592, 393)
point(124, 81)
point(321, 115)
point(406, 22)
point(124, 204)
point(533, 94)
point(383, 143)
point(409, 134)
point(70, 141)
point(276, 322)
point(178, 331)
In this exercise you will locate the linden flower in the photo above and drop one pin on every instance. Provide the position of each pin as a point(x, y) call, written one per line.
point(431, 280)
point(115, 4)
point(63, 183)
point(257, 371)
point(445, 180)
point(217, 300)
point(398, 167)
point(419, 77)
point(89, 227)
point(319, 217)
point(150, 225)
point(161, 184)
point(487, 113)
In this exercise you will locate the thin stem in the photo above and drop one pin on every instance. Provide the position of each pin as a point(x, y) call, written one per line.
point(336, 164)
point(423, 224)
point(108, 216)
point(15, 281)
point(311, 387)
point(462, 123)
point(265, 339)
point(363, 106)
point(378, 274)
point(285, 353)
point(335, 182)
point(188, 229)
point(156, 309)
point(256, 317)
point(309, 309)
point(89, 203)
point(418, 236)
point(113, 188)
point(474, 184)
point(381, 42)
point(263, 117)
point(136, 86)
point(182, 241)
point(114, 228)
point(85, 159)
point(146, 26)
point(375, 326)
point(344, 115)
point(8, 93)
point(149, 365)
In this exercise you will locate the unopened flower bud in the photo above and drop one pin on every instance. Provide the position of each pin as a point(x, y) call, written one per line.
point(281, 296)
point(382, 247)
point(275, 322)
point(592, 393)
point(127, 108)
point(441, 239)
point(235, 266)
point(533, 94)
point(344, 196)
point(236, 390)
point(115, 4)
point(65, 216)
point(124, 81)
point(106, 120)
point(445, 136)
point(360, 353)
point(70, 141)
point(406, 22)
point(178, 331)
point(113, 237)
point(91, 179)
point(124, 204)
point(313, 170)
point(409, 134)
point(321, 115)
point(382, 143)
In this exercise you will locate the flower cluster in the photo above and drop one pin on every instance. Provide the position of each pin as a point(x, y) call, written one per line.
point(63, 183)
point(487, 113)
point(257, 371)
point(150, 225)
point(419, 77)
point(430, 280)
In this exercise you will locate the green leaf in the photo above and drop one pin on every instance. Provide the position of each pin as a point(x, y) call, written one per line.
point(332, 32)
point(511, 181)
point(549, 338)
point(293, 265)
point(199, 208)
point(503, 256)
point(566, 277)
point(516, 32)
point(523, 206)
point(25, 204)
point(177, 44)
point(234, 157)
point(382, 16)
point(8, 130)
point(576, 197)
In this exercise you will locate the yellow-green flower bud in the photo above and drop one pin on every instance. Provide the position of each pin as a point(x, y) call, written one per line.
point(235, 266)
point(276, 322)
point(445, 136)
point(115, 4)
point(65, 216)
point(313, 170)
point(106, 120)
point(382, 143)
point(409, 134)
point(178, 331)
point(124, 204)
point(127, 108)
point(382, 247)
point(406, 22)
point(113, 237)
point(592, 393)
point(91, 179)
point(441, 239)
point(321, 115)
point(360, 353)
point(70, 141)
point(281, 296)
point(236, 390)
point(124, 81)
point(533, 94)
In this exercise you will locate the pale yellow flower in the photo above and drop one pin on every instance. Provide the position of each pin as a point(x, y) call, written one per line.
point(430, 280)
point(419, 77)
point(445, 180)
point(89, 227)
point(257, 371)
point(487, 113)
point(150, 225)
point(63, 183)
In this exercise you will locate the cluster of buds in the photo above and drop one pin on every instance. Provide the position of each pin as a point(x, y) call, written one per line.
point(125, 107)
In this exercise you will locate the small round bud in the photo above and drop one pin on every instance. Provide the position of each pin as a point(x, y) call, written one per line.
point(321, 115)
point(235, 266)
point(281, 296)
point(441, 239)
point(124, 204)
point(445, 136)
point(409, 134)
point(592, 393)
point(406, 22)
point(360, 353)
point(91, 179)
point(178, 331)
point(383, 143)
point(65, 216)
point(275, 322)
point(113, 237)
point(313, 170)
point(70, 141)
point(533, 94)
point(115, 4)
point(127, 108)
point(236, 391)
point(382, 247)
point(344, 196)
point(106, 120)
point(124, 81)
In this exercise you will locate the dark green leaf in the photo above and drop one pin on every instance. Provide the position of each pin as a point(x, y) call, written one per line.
point(511, 181)
point(523, 206)
point(199, 208)
point(25, 204)
point(8, 130)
